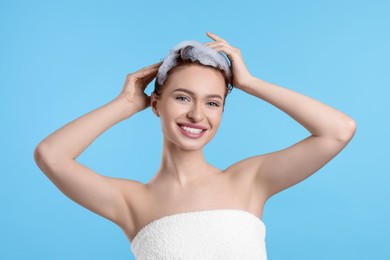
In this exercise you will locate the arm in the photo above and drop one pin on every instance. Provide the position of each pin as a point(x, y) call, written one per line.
point(331, 130)
point(56, 154)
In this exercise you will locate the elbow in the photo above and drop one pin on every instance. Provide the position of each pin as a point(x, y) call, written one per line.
point(45, 159)
point(39, 152)
point(45, 156)
point(348, 131)
point(42, 154)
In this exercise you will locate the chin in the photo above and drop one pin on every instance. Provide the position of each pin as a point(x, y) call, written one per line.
point(192, 147)
point(188, 144)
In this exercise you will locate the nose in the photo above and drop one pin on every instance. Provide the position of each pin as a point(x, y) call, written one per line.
point(195, 113)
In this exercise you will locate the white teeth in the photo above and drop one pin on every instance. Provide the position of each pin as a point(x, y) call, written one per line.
point(191, 130)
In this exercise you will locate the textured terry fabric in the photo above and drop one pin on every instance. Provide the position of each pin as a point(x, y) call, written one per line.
point(194, 51)
point(202, 235)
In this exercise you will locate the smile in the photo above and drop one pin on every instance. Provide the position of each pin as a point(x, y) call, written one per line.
point(191, 132)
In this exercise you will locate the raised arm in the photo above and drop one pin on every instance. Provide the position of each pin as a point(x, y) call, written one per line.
point(56, 154)
point(331, 130)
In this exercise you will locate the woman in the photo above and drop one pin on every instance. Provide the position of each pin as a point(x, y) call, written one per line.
point(191, 209)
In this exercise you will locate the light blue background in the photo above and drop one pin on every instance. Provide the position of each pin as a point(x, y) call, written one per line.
point(62, 59)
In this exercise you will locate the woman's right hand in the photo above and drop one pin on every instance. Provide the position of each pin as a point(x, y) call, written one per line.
point(135, 84)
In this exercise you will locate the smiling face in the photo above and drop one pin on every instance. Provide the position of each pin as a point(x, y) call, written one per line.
point(191, 106)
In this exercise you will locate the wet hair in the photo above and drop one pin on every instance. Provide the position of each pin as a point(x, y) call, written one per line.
point(192, 52)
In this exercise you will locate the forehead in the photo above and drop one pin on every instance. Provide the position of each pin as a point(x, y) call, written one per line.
point(197, 78)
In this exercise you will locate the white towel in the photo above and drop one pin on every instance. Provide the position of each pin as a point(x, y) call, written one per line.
point(202, 235)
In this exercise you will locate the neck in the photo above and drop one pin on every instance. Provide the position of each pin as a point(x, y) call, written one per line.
point(182, 166)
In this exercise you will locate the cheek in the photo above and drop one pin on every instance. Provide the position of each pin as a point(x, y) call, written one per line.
point(169, 113)
point(216, 116)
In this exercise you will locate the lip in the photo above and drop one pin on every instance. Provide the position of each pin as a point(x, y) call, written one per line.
point(191, 135)
point(193, 126)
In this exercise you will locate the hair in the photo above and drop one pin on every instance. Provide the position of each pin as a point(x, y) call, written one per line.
point(181, 62)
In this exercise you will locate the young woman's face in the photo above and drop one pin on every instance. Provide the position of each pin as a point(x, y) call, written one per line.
point(191, 106)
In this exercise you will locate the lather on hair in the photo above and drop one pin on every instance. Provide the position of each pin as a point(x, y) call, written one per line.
point(194, 51)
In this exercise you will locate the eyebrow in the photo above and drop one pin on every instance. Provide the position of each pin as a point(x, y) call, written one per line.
point(193, 94)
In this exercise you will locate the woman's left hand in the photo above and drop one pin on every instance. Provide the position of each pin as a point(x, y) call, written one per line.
point(240, 73)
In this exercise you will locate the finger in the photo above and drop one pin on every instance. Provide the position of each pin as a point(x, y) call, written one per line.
point(208, 43)
point(215, 37)
point(149, 78)
point(218, 42)
point(155, 65)
point(145, 72)
point(144, 77)
point(227, 51)
point(220, 46)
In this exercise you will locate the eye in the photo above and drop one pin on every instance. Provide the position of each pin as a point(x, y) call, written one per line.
point(182, 98)
point(212, 104)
